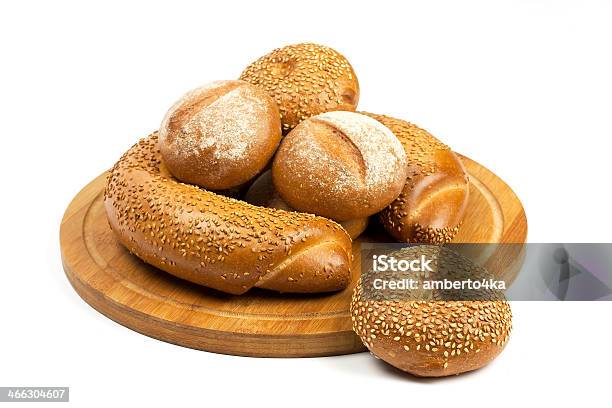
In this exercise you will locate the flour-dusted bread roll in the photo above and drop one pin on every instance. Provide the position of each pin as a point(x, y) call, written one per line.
point(305, 80)
point(216, 241)
point(432, 203)
point(341, 165)
point(220, 135)
point(437, 337)
point(263, 194)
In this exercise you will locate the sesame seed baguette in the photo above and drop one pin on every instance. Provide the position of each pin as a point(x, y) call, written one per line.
point(432, 203)
point(216, 241)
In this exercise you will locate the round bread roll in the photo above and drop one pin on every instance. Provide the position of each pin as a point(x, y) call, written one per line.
point(216, 241)
point(305, 80)
point(263, 194)
point(341, 165)
point(220, 135)
point(432, 203)
point(435, 337)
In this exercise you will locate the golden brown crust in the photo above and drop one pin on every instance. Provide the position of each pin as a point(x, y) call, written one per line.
point(433, 338)
point(426, 350)
point(218, 241)
point(262, 193)
point(432, 203)
point(355, 227)
point(305, 80)
point(340, 165)
point(220, 135)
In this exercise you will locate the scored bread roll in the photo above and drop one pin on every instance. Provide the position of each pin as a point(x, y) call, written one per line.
point(433, 200)
point(216, 241)
point(263, 194)
point(436, 337)
point(341, 165)
point(305, 80)
point(220, 135)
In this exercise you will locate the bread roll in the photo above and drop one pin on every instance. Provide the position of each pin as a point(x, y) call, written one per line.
point(305, 80)
point(432, 338)
point(432, 203)
point(262, 193)
point(216, 241)
point(220, 135)
point(341, 165)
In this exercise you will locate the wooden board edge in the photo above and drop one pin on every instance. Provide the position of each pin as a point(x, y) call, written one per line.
point(241, 344)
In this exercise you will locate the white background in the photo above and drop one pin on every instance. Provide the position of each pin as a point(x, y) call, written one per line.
point(524, 87)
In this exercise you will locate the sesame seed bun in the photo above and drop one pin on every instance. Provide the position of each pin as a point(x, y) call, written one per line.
point(432, 338)
point(305, 80)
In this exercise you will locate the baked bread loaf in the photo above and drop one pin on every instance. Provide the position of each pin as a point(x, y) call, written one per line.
point(305, 80)
point(216, 241)
point(262, 193)
point(433, 200)
point(341, 165)
point(436, 337)
point(220, 135)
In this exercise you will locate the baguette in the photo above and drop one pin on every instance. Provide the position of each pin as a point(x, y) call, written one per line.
point(433, 200)
point(216, 241)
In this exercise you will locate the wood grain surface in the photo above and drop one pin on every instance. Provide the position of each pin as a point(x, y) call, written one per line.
point(259, 323)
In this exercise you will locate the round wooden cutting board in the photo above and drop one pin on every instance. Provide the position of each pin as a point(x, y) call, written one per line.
point(259, 323)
